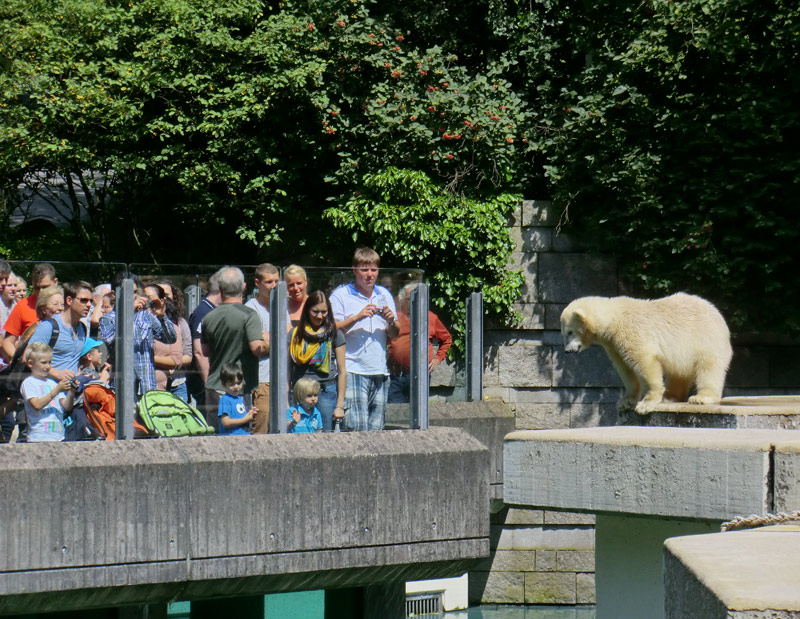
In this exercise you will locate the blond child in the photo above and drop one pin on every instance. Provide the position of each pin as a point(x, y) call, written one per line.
point(305, 417)
point(46, 401)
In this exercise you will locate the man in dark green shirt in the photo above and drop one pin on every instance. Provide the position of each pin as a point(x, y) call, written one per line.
point(231, 333)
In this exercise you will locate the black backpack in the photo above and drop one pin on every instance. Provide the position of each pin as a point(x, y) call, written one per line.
point(16, 371)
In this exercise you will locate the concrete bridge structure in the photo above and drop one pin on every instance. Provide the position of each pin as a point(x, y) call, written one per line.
point(110, 524)
point(648, 484)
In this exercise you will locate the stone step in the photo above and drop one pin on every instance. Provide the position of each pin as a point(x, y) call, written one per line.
point(751, 412)
point(747, 574)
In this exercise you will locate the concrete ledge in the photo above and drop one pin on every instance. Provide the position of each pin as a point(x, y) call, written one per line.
point(755, 412)
point(107, 523)
point(488, 422)
point(117, 585)
point(666, 472)
point(749, 574)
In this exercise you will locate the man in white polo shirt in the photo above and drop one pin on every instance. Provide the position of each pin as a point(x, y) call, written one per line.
point(365, 313)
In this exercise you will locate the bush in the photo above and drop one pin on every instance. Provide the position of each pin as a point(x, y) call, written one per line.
point(670, 140)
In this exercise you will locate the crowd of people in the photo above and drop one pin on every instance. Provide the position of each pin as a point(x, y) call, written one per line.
point(348, 351)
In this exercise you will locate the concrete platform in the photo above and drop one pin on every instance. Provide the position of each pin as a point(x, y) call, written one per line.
point(755, 412)
point(747, 574)
point(681, 473)
point(647, 484)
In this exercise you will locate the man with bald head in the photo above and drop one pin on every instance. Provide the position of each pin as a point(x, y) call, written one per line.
point(231, 333)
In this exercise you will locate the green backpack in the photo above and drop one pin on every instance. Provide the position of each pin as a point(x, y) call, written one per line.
point(165, 414)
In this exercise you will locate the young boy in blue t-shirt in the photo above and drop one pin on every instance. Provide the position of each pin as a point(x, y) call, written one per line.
point(234, 418)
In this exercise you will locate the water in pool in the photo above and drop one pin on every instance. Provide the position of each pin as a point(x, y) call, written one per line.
point(310, 605)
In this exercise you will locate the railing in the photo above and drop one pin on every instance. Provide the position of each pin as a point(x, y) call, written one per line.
point(192, 281)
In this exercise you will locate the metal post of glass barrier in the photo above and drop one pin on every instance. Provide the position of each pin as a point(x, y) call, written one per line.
point(192, 296)
point(123, 346)
point(419, 357)
point(279, 360)
point(475, 347)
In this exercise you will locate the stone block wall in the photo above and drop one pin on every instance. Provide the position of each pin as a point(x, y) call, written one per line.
point(526, 365)
point(537, 557)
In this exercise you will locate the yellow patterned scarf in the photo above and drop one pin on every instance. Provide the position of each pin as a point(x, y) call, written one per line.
point(314, 352)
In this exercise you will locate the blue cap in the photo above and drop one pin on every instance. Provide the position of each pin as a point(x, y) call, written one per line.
point(89, 345)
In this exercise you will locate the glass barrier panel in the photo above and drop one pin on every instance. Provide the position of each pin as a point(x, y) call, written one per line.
point(187, 286)
point(40, 328)
point(396, 351)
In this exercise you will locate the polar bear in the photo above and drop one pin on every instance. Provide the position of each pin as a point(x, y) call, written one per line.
point(682, 338)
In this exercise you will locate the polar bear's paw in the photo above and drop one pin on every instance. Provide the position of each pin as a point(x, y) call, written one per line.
point(645, 407)
point(703, 399)
point(626, 403)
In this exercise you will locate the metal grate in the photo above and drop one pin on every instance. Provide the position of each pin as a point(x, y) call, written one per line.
point(424, 604)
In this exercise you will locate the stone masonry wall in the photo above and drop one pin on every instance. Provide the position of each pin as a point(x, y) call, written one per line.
point(537, 557)
point(548, 557)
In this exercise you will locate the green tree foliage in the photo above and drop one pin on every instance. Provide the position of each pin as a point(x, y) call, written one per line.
point(671, 139)
point(192, 101)
point(255, 120)
point(464, 242)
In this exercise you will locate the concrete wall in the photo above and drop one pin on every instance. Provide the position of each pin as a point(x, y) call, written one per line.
point(537, 557)
point(488, 422)
point(105, 524)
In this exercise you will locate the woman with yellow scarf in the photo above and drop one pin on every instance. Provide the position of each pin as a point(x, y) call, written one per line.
point(316, 350)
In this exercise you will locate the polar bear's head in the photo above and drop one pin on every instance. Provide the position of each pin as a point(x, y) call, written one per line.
point(575, 328)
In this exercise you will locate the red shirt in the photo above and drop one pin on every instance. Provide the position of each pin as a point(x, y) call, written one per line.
point(22, 316)
point(400, 347)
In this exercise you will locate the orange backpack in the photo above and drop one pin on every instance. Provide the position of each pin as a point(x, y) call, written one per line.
point(100, 404)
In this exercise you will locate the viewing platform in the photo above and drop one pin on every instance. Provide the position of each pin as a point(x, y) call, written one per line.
point(647, 484)
point(103, 524)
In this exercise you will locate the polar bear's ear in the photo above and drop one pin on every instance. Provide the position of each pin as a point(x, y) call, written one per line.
point(582, 320)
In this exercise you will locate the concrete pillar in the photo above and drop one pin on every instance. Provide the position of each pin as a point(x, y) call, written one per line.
point(628, 560)
point(374, 602)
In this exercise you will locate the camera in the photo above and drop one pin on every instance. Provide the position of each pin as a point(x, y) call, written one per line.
point(74, 384)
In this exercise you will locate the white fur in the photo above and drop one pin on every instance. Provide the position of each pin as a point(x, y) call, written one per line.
point(681, 338)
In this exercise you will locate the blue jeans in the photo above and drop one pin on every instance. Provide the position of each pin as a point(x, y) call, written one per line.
point(366, 400)
point(180, 391)
point(7, 423)
point(326, 404)
point(400, 389)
